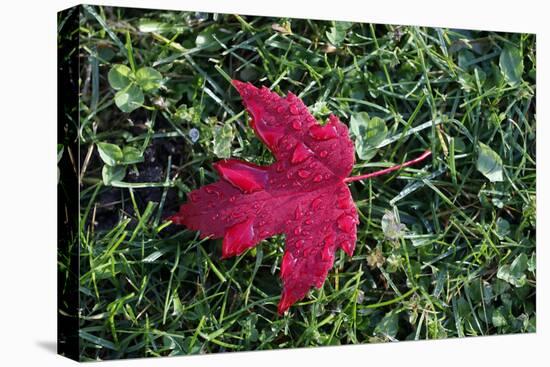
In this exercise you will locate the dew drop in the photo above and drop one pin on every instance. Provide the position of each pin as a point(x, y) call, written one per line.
point(343, 202)
point(296, 125)
point(304, 173)
point(308, 221)
point(300, 154)
point(297, 230)
point(318, 178)
point(264, 234)
point(293, 109)
point(323, 154)
point(346, 223)
point(298, 212)
point(279, 168)
point(316, 203)
point(232, 199)
point(280, 109)
point(326, 132)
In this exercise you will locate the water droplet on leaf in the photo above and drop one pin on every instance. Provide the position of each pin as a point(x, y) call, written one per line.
point(316, 203)
point(346, 223)
point(300, 154)
point(298, 212)
point(304, 173)
point(326, 132)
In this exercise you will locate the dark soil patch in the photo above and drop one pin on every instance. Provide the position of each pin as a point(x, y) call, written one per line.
point(114, 203)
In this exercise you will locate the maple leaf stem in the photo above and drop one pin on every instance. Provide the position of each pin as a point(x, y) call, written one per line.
point(424, 155)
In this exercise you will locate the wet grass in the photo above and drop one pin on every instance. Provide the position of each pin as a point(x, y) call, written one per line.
point(442, 250)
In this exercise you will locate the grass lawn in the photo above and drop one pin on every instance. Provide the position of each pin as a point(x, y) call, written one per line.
point(445, 248)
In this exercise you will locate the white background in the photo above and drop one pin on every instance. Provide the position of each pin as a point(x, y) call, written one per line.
point(28, 182)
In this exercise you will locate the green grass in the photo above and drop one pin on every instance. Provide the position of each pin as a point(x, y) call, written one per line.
point(464, 265)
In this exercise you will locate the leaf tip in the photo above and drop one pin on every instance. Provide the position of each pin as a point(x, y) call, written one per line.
point(284, 304)
point(241, 87)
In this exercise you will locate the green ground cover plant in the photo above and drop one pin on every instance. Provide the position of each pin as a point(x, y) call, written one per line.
point(445, 249)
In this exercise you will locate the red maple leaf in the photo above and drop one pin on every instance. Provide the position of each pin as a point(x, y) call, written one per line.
point(303, 195)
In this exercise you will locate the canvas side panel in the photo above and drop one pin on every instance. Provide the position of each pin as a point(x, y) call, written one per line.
point(67, 186)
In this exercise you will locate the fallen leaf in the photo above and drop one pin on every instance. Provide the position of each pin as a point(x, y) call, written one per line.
point(303, 195)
